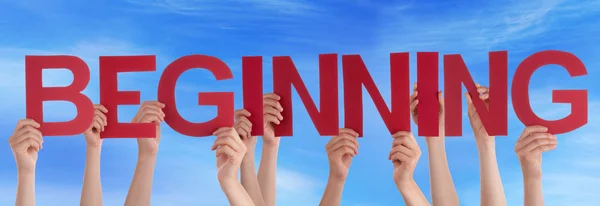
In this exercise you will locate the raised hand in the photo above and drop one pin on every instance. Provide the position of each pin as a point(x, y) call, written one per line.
point(150, 112)
point(243, 127)
point(230, 151)
point(25, 142)
point(529, 148)
point(92, 134)
point(272, 115)
point(405, 154)
point(476, 124)
point(340, 151)
point(414, 102)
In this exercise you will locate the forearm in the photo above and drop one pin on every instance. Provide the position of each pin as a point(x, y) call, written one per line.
point(492, 192)
point(249, 178)
point(267, 173)
point(25, 189)
point(533, 192)
point(91, 194)
point(141, 185)
point(333, 192)
point(443, 191)
point(412, 194)
point(235, 193)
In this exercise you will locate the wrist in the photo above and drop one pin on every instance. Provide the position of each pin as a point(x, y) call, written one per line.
point(405, 185)
point(26, 173)
point(143, 156)
point(486, 144)
point(337, 177)
point(271, 142)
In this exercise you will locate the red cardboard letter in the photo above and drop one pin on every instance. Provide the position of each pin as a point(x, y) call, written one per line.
point(427, 81)
point(285, 75)
point(577, 98)
point(356, 75)
point(252, 86)
point(223, 100)
point(111, 97)
point(35, 94)
point(494, 119)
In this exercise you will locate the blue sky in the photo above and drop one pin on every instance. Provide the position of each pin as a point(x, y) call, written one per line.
point(228, 29)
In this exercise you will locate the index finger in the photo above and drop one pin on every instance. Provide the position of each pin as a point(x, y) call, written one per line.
point(26, 122)
point(101, 108)
point(242, 112)
point(272, 96)
point(349, 131)
point(532, 129)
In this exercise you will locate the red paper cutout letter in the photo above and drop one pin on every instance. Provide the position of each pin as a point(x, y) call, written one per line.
point(356, 75)
point(36, 94)
point(111, 97)
point(252, 86)
point(285, 75)
point(427, 81)
point(577, 98)
point(223, 100)
point(494, 119)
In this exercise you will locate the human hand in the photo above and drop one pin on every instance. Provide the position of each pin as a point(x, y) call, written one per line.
point(340, 151)
point(243, 127)
point(25, 143)
point(529, 148)
point(405, 154)
point(414, 102)
point(481, 134)
point(150, 112)
point(92, 134)
point(271, 115)
point(230, 151)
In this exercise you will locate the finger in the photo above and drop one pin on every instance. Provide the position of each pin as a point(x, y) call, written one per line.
point(225, 141)
point(342, 137)
point(27, 122)
point(23, 131)
point(349, 131)
point(272, 119)
point(413, 107)
point(156, 103)
point(415, 87)
point(532, 129)
point(154, 111)
point(99, 115)
point(151, 118)
point(33, 143)
point(243, 129)
point(484, 96)
point(345, 143)
point(345, 150)
point(101, 108)
point(272, 111)
point(30, 136)
point(226, 150)
point(242, 113)
point(220, 130)
point(469, 100)
point(244, 120)
point(402, 149)
point(543, 148)
point(537, 143)
point(273, 103)
point(482, 89)
point(232, 134)
point(271, 96)
point(414, 95)
point(530, 138)
point(154, 106)
point(441, 99)
point(96, 126)
point(401, 157)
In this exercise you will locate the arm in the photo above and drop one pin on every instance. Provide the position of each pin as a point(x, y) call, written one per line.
point(340, 151)
point(529, 148)
point(25, 143)
point(91, 194)
point(141, 185)
point(25, 189)
point(230, 151)
point(412, 194)
point(333, 191)
point(235, 193)
point(492, 191)
point(243, 127)
point(443, 191)
point(267, 171)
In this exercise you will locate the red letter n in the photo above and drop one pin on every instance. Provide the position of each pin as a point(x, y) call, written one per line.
point(111, 97)
point(356, 75)
point(577, 98)
point(35, 94)
point(494, 118)
point(285, 75)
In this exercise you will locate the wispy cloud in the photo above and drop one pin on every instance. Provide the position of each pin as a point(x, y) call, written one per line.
point(221, 9)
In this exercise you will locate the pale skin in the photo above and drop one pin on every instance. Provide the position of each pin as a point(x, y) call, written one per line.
point(91, 193)
point(443, 192)
point(230, 152)
point(141, 185)
point(261, 188)
point(267, 171)
point(405, 154)
point(25, 143)
point(534, 141)
point(340, 151)
point(492, 191)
